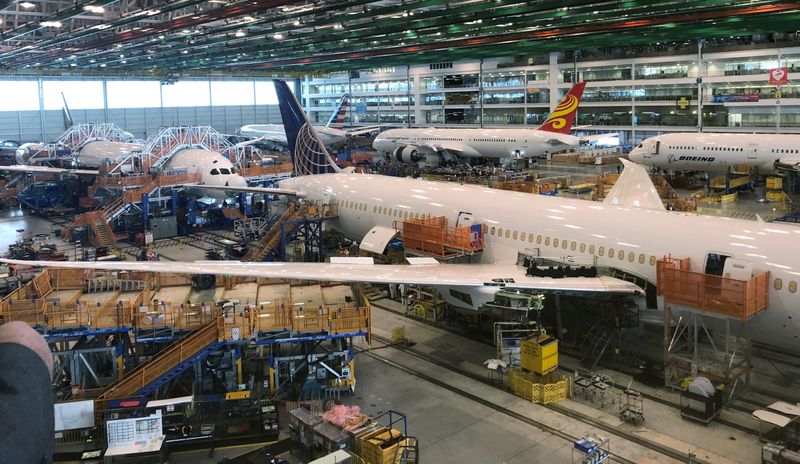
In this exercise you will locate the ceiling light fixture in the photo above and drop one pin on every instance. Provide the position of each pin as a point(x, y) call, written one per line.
point(94, 9)
point(27, 5)
point(50, 24)
point(240, 33)
point(102, 65)
point(278, 36)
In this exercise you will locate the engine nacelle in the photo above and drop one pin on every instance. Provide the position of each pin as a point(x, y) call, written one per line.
point(407, 155)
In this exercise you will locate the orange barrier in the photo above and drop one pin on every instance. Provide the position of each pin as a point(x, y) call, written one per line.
point(257, 171)
point(283, 316)
point(740, 299)
point(431, 235)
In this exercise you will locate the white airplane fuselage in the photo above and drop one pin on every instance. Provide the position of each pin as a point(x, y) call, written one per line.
point(629, 239)
point(707, 152)
point(472, 143)
point(214, 169)
point(330, 136)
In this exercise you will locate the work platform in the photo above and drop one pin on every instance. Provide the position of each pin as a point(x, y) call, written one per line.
point(61, 305)
point(298, 221)
point(700, 306)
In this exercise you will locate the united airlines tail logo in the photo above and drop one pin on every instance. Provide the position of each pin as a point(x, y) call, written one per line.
point(309, 156)
point(557, 119)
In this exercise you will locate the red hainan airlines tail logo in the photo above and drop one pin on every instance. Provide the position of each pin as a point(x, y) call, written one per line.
point(561, 119)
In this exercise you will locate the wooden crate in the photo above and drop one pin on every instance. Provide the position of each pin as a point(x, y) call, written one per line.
point(380, 446)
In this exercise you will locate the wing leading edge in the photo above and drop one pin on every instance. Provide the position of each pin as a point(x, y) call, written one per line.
point(463, 275)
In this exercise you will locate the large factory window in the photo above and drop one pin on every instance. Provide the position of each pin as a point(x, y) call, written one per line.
point(228, 93)
point(186, 93)
point(80, 95)
point(19, 96)
point(265, 92)
point(133, 94)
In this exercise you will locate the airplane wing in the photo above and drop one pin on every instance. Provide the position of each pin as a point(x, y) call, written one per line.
point(598, 137)
point(454, 148)
point(267, 190)
point(48, 170)
point(363, 270)
point(362, 130)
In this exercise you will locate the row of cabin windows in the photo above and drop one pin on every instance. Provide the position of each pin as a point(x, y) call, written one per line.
point(397, 212)
point(723, 149)
point(783, 150)
point(777, 284)
point(573, 246)
point(682, 147)
point(495, 140)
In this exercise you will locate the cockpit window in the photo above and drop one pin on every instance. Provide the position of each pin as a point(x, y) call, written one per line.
point(224, 170)
point(640, 145)
point(215, 172)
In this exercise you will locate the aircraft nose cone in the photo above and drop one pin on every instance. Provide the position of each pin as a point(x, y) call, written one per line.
point(237, 181)
point(635, 155)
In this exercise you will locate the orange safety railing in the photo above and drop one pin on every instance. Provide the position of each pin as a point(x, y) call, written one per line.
point(668, 262)
point(257, 171)
point(169, 358)
point(250, 320)
point(433, 236)
point(740, 299)
point(163, 315)
point(122, 181)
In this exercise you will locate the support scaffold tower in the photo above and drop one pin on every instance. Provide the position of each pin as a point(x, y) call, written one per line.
point(706, 324)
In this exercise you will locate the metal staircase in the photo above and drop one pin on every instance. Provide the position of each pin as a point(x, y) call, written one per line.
point(272, 236)
point(253, 228)
point(165, 366)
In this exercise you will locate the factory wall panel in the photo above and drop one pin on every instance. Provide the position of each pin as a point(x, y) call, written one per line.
point(26, 126)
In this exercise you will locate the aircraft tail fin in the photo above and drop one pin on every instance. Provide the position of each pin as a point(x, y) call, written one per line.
point(561, 119)
point(309, 155)
point(68, 121)
point(634, 189)
point(336, 120)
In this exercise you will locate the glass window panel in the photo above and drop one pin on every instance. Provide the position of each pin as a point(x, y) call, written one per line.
point(186, 93)
point(232, 93)
point(265, 92)
point(19, 95)
point(79, 94)
point(133, 94)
